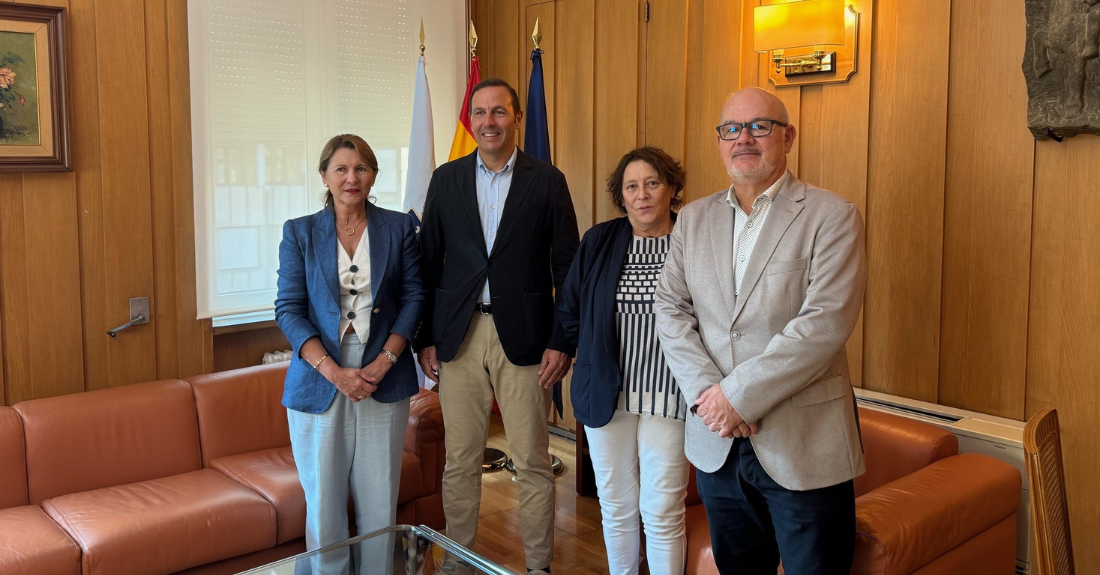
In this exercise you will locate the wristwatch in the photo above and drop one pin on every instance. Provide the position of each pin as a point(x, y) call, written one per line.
point(389, 355)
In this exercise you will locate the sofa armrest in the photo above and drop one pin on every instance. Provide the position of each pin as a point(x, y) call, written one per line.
point(909, 522)
point(425, 421)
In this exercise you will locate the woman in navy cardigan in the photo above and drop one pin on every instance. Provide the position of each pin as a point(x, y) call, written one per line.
point(622, 390)
point(349, 302)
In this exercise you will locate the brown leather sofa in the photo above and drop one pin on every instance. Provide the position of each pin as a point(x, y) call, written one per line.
point(921, 508)
point(173, 476)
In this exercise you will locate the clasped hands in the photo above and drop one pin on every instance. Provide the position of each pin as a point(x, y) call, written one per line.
point(359, 384)
point(720, 416)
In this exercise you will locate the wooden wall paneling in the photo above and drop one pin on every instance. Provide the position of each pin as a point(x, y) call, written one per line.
point(905, 196)
point(1063, 352)
point(55, 347)
point(13, 291)
point(666, 69)
point(987, 214)
point(195, 338)
point(754, 71)
point(247, 348)
point(844, 127)
point(616, 88)
point(161, 169)
point(127, 211)
point(84, 114)
point(714, 33)
point(810, 141)
point(573, 111)
point(792, 99)
point(500, 43)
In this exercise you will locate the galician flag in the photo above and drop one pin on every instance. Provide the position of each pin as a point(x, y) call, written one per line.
point(464, 143)
point(421, 146)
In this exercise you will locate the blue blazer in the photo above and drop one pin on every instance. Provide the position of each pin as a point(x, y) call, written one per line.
point(587, 315)
point(308, 301)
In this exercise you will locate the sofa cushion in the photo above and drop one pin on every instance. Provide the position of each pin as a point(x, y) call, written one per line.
point(164, 525)
point(117, 436)
point(13, 465)
point(32, 544)
point(240, 411)
point(272, 474)
point(895, 446)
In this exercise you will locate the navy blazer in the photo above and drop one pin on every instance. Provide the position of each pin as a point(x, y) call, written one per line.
point(308, 301)
point(587, 315)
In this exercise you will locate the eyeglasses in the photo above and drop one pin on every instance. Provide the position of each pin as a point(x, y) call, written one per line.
point(757, 128)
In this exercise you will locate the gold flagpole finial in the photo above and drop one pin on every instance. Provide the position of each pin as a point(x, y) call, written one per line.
point(536, 36)
point(473, 40)
point(421, 36)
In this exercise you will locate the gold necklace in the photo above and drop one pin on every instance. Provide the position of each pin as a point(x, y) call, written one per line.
point(349, 229)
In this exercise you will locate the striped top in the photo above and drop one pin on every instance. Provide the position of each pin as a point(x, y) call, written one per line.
point(648, 386)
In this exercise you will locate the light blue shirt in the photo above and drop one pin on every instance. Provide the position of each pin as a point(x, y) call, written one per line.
point(492, 191)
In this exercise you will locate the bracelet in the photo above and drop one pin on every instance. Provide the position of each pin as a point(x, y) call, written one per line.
point(317, 365)
point(389, 355)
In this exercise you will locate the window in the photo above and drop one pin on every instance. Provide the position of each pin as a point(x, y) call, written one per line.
point(271, 81)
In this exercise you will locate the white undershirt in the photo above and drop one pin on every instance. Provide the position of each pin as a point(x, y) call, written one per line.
point(355, 288)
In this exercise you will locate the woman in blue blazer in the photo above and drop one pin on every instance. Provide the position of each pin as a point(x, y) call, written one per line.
point(622, 390)
point(349, 302)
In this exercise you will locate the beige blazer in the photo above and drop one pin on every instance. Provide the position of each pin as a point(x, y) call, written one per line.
point(778, 349)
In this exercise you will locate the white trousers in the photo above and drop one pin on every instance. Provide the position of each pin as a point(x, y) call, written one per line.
point(641, 473)
point(351, 448)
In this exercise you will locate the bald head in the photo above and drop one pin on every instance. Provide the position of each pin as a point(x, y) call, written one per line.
point(757, 100)
point(755, 161)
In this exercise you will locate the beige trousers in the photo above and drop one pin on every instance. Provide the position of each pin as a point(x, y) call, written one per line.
point(467, 386)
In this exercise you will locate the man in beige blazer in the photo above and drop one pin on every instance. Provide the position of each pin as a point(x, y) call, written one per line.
point(761, 289)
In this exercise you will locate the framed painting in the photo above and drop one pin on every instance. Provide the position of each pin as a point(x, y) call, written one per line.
point(34, 113)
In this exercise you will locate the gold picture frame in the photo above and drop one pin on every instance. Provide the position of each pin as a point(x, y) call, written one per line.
point(34, 111)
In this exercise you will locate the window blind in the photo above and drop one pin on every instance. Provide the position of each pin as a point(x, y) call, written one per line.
point(271, 82)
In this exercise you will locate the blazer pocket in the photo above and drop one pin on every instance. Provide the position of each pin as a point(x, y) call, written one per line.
point(786, 266)
point(826, 389)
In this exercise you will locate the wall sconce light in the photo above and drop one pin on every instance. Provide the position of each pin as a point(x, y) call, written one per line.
point(810, 41)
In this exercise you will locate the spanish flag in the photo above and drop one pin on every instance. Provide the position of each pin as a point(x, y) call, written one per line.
point(464, 143)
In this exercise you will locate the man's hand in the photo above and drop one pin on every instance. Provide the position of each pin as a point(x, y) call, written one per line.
point(428, 363)
point(720, 416)
point(555, 365)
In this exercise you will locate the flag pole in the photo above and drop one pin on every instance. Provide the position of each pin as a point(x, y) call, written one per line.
point(536, 36)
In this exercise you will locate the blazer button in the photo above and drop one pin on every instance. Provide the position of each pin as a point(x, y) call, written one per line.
point(354, 268)
point(377, 309)
point(735, 335)
point(351, 315)
point(353, 292)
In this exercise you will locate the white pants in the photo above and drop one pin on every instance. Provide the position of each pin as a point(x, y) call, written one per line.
point(641, 472)
point(356, 448)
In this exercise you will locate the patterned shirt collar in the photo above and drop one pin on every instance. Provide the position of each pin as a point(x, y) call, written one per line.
point(767, 197)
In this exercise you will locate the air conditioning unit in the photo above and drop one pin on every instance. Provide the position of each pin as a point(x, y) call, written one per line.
point(978, 433)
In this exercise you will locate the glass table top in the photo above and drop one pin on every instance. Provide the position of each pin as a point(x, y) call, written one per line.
point(397, 550)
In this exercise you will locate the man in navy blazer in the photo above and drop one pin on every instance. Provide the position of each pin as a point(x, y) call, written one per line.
point(498, 236)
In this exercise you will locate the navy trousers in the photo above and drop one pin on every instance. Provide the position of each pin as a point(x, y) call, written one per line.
point(754, 521)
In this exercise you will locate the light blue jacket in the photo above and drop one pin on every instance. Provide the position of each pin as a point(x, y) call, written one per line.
point(308, 301)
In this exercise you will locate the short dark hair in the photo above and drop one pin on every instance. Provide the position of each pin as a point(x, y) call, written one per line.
point(670, 172)
point(496, 82)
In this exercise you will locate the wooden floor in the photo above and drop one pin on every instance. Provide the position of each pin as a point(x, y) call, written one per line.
point(578, 541)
